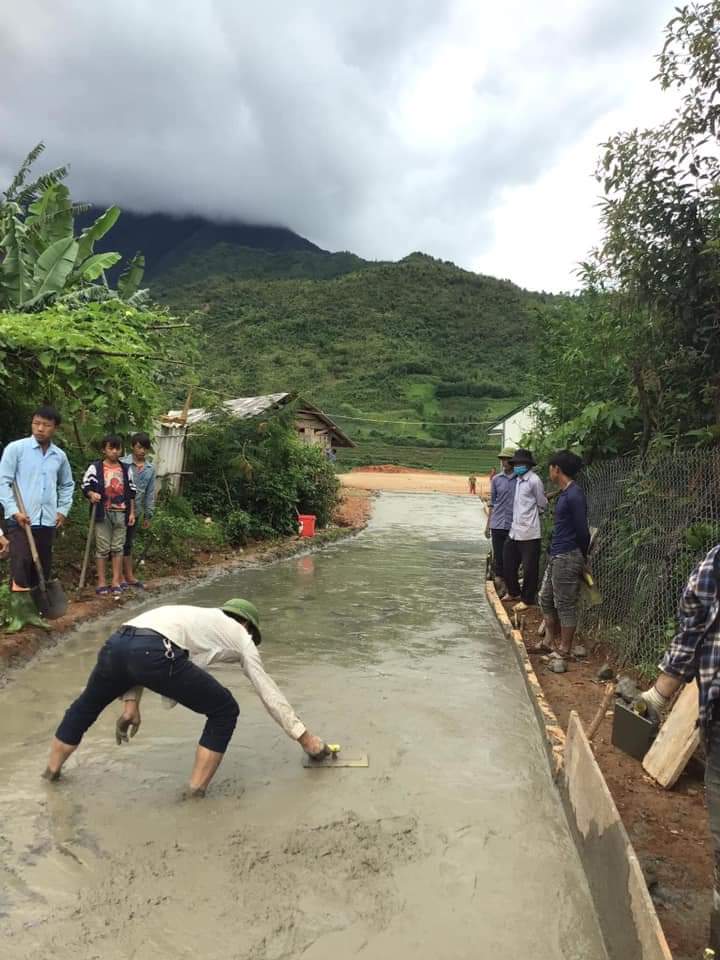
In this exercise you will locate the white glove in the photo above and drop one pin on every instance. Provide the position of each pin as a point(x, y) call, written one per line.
point(655, 704)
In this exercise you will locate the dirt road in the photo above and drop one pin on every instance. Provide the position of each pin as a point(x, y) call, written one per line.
point(413, 481)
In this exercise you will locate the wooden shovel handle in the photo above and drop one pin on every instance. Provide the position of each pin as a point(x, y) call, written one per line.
point(91, 528)
point(598, 718)
point(30, 539)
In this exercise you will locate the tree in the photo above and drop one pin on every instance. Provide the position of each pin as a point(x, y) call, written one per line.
point(645, 335)
point(662, 214)
point(102, 364)
point(40, 256)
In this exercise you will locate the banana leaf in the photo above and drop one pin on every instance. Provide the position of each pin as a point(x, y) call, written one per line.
point(52, 268)
point(14, 269)
point(93, 267)
point(131, 277)
point(89, 237)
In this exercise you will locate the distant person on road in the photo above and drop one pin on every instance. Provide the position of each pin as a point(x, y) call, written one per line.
point(694, 654)
point(500, 514)
point(164, 650)
point(42, 473)
point(143, 474)
point(569, 545)
point(108, 485)
point(524, 539)
point(472, 484)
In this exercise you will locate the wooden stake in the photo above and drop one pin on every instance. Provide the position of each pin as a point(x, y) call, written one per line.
point(602, 709)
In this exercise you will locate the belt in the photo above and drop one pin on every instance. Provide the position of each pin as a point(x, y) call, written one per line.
point(170, 647)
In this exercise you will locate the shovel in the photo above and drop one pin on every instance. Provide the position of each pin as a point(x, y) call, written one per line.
point(49, 596)
point(88, 542)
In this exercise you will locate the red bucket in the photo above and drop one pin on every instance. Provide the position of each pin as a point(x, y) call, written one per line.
point(307, 524)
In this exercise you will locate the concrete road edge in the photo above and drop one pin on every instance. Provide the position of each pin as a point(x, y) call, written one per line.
point(627, 915)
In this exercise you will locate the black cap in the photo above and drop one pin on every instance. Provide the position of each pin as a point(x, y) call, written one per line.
point(522, 458)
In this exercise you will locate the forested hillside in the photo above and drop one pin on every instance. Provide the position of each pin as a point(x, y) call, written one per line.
point(419, 340)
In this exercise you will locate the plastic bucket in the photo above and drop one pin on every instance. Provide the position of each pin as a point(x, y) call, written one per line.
point(307, 524)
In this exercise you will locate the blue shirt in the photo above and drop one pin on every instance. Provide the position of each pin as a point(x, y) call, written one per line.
point(45, 481)
point(694, 654)
point(502, 494)
point(145, 486)
point(571, 525)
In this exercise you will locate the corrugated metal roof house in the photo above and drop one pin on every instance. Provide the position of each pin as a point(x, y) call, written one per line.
point(174, 428)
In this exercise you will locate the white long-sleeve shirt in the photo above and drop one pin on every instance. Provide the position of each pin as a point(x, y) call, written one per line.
point(529, 503)
point(210, 636)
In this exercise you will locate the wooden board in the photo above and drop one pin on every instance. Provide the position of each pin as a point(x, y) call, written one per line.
point(677, 741)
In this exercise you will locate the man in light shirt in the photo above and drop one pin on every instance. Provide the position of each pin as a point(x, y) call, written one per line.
point(41, 471)
point(525, 537)
point(164, 650)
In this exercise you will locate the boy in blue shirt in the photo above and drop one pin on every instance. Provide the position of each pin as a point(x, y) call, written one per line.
point(144, 476)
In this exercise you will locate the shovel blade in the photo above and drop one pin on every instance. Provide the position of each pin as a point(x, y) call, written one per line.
point(51, 602)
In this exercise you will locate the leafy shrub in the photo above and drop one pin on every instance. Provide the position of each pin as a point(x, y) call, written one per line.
point(173, 539)
point(262, 469)
point(241, 526)
point(176, 506)
point(317, 485)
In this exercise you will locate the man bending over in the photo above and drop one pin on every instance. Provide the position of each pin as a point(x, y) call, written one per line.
point(163, 650)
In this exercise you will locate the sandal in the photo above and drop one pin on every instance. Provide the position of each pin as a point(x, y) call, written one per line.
point(133, 585)
point(116, 591)
point(102, 591)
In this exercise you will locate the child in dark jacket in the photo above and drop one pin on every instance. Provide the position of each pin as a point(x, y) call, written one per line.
point(109, 486)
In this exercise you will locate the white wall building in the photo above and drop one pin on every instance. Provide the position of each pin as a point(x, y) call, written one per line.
point(517, 423)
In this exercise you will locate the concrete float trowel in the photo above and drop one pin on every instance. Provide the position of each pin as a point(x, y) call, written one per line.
point(330, 757)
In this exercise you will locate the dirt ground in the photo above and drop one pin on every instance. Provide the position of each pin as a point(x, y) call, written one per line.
point(668, 828)
point(394, 479)
point(355, 508)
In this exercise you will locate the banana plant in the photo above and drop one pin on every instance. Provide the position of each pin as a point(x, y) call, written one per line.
point(40, 256)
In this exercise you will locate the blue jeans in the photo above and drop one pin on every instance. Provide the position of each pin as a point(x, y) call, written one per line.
point(131, 658)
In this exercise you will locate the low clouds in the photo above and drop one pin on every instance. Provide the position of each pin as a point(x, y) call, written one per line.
point(372, 126)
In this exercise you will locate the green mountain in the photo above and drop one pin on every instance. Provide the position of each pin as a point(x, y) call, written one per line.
point(420, 341)
point(414, 359)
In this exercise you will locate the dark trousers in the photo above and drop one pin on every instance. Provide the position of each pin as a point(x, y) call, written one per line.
point(22, 568)
point(526, 552)
point(130, 538)
point(133, 658)
point(498, 547)
point(712, 797)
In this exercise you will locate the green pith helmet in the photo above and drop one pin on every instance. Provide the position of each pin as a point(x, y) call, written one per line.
point(248, 611)
point(506, 453)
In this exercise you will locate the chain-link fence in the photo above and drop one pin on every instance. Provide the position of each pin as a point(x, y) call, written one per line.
point(655, 520)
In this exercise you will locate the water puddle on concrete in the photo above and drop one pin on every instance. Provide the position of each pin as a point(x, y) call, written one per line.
point(452, 844)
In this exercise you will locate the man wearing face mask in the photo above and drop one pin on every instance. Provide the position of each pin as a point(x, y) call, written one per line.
point(524, 539)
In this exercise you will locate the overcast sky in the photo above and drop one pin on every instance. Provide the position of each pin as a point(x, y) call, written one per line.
point(466, 128)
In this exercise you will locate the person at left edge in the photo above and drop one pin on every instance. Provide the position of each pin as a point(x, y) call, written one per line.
point(42, 473)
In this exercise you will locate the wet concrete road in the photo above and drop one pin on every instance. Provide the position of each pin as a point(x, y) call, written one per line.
point(452, 844)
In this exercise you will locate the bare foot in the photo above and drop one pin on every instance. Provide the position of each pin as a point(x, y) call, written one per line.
point(193, 793)
point(52, 775)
